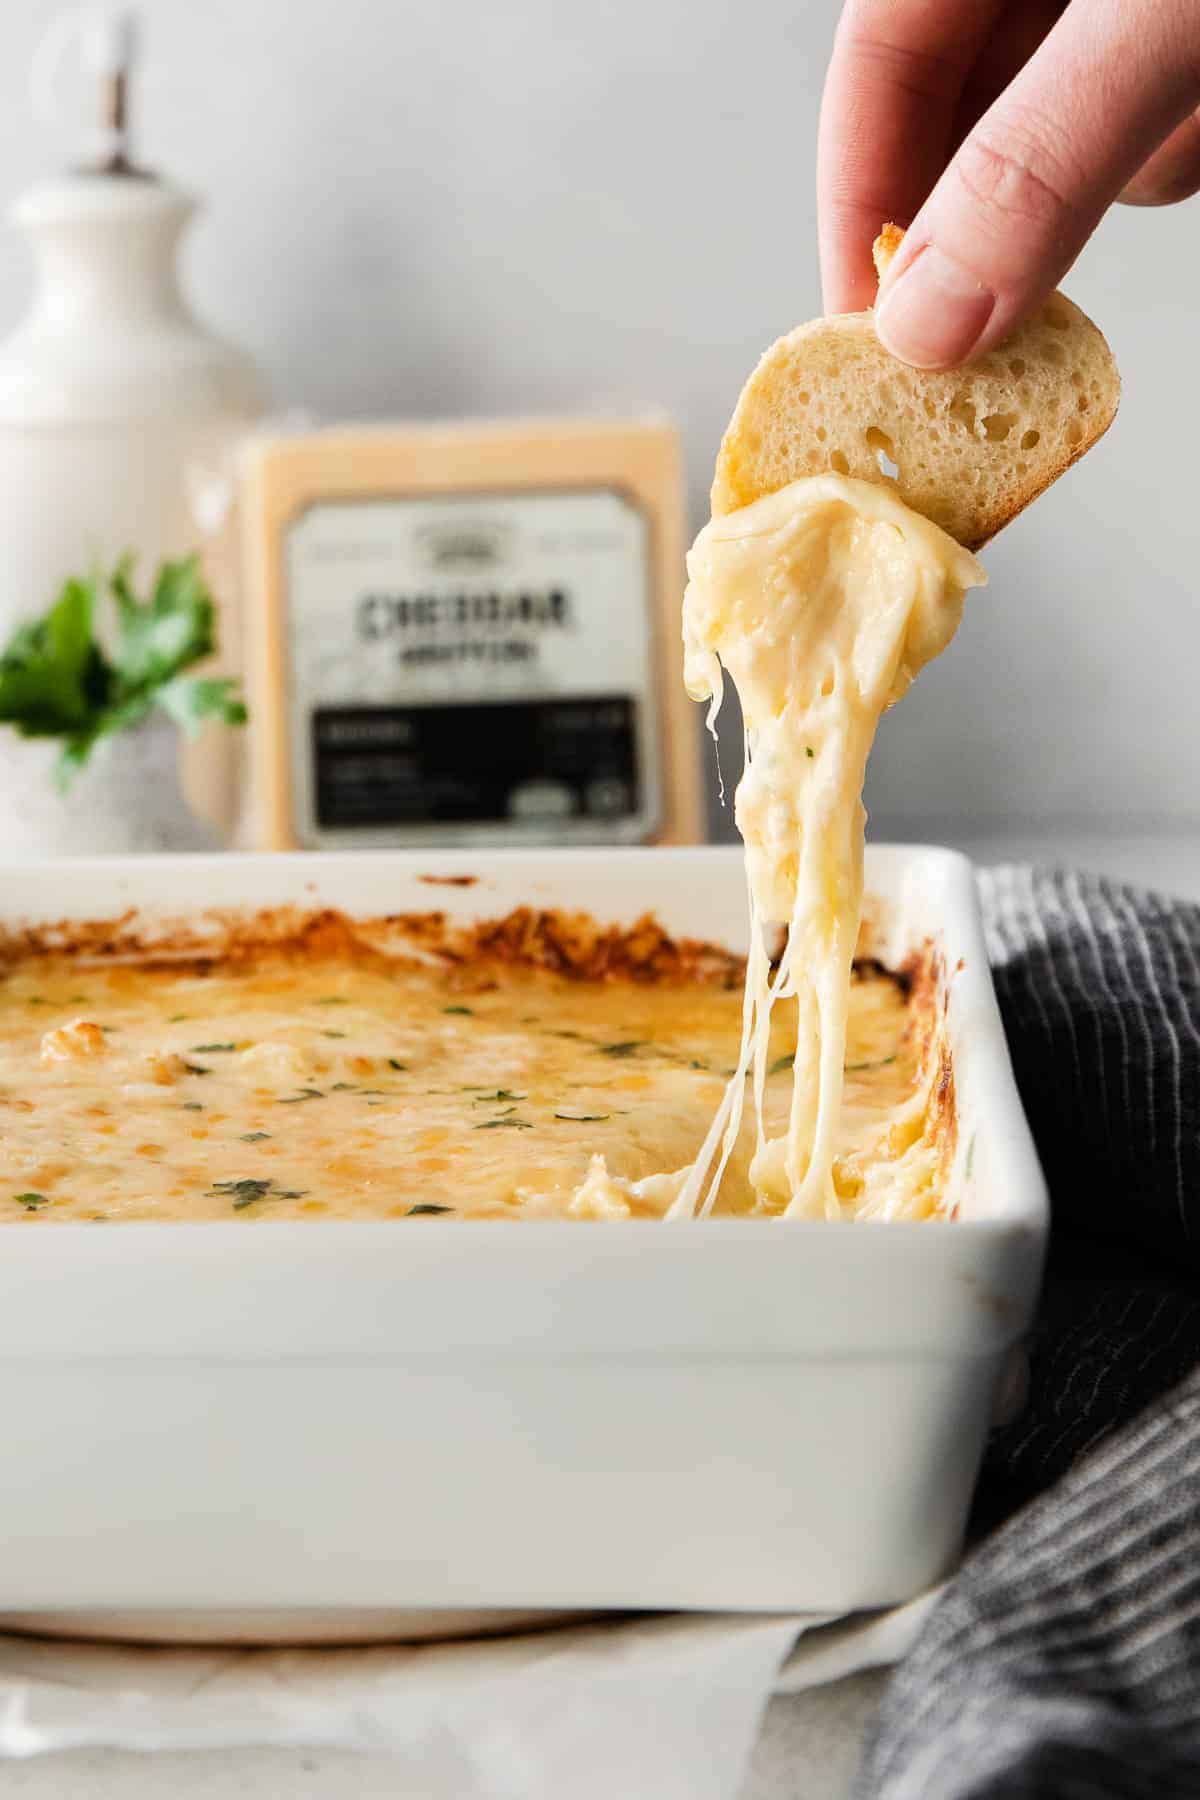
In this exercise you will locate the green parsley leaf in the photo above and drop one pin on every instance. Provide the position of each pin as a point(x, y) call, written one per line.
point(465, 1010)
point(211, 1049)
point(304, 1094)
point(191, 700)
point(254, 1137)
point(165, 633)
point(427, 1206)
point(583, 1118)
point(52, 675)
point(244, 1193)
point(502, 1124)
point(780, 1064)
point(31, 1202)
point(624, 1049)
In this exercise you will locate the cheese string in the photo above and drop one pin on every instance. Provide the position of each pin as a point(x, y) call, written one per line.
point(822, 601)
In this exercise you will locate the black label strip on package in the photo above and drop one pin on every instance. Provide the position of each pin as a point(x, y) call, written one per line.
point(519, 760)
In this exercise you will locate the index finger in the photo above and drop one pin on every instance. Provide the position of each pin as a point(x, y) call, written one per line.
point(888, 115)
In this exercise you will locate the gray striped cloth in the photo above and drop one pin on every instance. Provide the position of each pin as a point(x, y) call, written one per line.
point(1064, 1659)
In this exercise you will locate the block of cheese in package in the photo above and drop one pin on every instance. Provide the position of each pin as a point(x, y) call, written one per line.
point(467, 633)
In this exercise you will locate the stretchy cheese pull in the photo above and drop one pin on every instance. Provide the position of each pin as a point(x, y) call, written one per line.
point(822, 601)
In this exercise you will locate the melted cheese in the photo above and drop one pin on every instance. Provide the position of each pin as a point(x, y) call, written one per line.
point(335, 1087)
point(822, 601)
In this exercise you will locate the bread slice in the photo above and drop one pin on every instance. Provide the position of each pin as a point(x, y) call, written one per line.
point(969, 448)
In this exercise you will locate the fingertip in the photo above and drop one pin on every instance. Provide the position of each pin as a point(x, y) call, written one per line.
point(933, 311)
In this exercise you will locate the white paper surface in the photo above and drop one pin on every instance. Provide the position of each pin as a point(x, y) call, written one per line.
point(669, 1705)
point(863, 1641)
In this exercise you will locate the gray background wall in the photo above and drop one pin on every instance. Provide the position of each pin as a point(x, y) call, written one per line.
point(546, 205)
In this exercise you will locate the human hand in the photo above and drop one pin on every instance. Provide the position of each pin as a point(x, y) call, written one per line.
point(1003, 129)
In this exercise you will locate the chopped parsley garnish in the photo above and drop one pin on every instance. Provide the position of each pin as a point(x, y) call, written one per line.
point(859, 1068)
point(499, 1094)
point(809, 751)
point(211, 1050)
point(465, 1010)
point(427, 1206)
point(304, 1094)
point(502, 1124)
point(178, 1018)
point(331, 1000)
point(31, 1201)
point(780, 1064)
point(333, 1034)
point(196, 1069)
point(254, 1137)
point(626, 1048)
point(583, 1118)
point(245, 1192)
point(192, 1106)
point(342, 1087)
point(393, 1064)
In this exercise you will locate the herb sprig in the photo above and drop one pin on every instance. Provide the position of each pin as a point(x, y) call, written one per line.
point(58, 679)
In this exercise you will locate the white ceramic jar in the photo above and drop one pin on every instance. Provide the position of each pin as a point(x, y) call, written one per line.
point(118, 417)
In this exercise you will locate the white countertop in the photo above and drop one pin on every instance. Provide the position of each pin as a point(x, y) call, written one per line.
point(808, 1751)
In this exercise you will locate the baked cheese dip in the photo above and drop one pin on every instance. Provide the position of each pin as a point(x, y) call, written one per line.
point(538, 1066)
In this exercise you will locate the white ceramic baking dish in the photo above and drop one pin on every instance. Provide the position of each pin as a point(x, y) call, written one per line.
point(340, 1423)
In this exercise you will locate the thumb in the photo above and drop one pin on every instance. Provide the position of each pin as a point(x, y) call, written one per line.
point(1028, 186)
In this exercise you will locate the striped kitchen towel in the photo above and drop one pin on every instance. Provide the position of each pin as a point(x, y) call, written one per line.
point(1064, 1659)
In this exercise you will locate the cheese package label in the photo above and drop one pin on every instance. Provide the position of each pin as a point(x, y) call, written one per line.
point(472, 662)
point(476, 660)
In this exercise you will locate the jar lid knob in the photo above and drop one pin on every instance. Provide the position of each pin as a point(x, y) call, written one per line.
point(100, 43)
